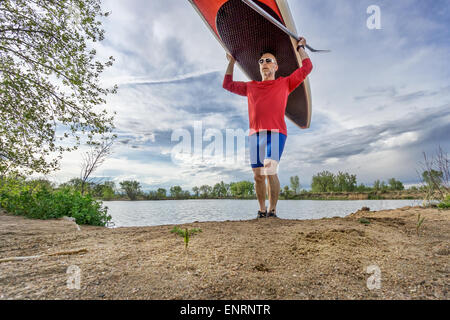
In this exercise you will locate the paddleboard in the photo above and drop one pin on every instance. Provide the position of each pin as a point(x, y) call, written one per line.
point(246, 35)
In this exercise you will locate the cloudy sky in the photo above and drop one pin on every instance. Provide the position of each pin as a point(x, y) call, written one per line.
point(380, 99)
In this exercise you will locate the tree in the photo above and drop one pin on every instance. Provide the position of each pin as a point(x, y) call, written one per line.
point(295, 184)
point(74, 183)
point(94, 158)
point(161, 193)
point(344, 181)
point(436, 175)
point(196, 191)
point(362, 188)
point(131, 188)
point(220, 190)
point(377, 185)
point(152, 195)
point(215, 190)
point(287, 192)
point(395, 184)
point(383, 186)
point(176, 192)
point(105, 190)
point(109, 188)
point(43, 183)
point(242, 189)
point(49, 80)
point(322, 182)
point(186, 194)
point(205, 191)
point(432, 178)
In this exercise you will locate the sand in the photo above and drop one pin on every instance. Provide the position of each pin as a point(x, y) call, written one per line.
point(269, 258)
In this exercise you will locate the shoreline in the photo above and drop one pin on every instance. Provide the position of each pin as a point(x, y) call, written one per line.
point(164, 212)
point(250, 259)
point(313, 196)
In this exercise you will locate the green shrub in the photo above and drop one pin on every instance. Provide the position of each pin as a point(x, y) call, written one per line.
point(445, 204)
point(364, 221)
point(39, 201)
point(374, 196)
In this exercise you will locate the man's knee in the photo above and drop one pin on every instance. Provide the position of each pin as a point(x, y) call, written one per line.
point(270, 167)
point(259, 178)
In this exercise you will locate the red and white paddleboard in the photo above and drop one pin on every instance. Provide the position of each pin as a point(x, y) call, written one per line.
point(246, 35)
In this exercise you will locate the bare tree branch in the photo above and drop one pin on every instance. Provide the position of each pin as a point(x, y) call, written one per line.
point(93, 159)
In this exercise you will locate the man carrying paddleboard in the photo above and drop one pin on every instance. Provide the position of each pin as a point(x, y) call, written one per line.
point(267, 101)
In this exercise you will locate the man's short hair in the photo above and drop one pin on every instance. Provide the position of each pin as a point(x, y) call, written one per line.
point(269, 52)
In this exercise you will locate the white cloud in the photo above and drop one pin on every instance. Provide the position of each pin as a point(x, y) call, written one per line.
point(401, 140)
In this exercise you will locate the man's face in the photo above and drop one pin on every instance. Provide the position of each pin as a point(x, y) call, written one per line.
point(268, 68)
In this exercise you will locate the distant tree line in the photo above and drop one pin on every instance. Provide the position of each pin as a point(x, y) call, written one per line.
point(132, 190)
point(326, 181)
point(221, 190)
point(322, 182)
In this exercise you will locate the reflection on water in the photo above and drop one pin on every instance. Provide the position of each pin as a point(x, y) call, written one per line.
point(152, 213)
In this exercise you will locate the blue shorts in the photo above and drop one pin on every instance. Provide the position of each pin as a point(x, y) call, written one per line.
point(266, 145)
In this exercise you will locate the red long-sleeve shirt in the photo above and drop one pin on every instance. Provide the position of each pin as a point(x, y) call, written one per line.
point(267, 99)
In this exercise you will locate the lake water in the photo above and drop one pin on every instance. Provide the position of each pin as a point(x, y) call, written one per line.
point(153, 213)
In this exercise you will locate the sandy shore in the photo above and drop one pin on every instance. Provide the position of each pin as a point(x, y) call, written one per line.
point(254, 259)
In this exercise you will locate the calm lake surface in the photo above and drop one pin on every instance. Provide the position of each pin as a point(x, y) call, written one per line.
point(153, 213)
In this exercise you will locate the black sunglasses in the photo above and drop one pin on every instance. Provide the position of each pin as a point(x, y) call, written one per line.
point(267, 60)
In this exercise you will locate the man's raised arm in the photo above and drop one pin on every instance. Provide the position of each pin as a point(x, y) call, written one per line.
point(301, 49)
point(299, 75)
point(236, 87)
point(231, 62)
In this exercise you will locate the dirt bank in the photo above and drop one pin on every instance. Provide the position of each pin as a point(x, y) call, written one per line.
point(254, 259)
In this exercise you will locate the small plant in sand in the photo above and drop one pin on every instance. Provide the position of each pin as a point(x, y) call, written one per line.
point(419, 223)
point(364, 221)
point(186, 234)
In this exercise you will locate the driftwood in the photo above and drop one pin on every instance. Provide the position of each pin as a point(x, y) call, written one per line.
point(61, 253)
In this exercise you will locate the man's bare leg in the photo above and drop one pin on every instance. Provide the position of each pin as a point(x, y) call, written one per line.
point(270, 169)
point(274, 192)
point(260, 188)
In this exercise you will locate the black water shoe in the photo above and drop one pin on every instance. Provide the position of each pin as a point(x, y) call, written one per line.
point(262, 214)
point(272, 214)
